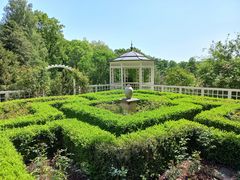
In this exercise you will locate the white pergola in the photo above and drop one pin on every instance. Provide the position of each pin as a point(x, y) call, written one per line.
point(132, 68)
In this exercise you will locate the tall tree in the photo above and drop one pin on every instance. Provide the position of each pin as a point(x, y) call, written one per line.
point(101, 56)
point(179, 77)
point(8, 66)
point(18, 33)
point(52, 33)
point(121, 51)
point(221, 69)
point(79, 53)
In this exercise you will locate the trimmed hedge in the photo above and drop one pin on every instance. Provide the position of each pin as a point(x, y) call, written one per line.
point(119, 124)
point(78, 137)
point(147, 153)
point(43, 113)
point(217, 118)
point(144, 153)
point(11, 163)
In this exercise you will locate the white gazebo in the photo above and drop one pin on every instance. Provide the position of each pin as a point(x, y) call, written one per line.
point(132, 68)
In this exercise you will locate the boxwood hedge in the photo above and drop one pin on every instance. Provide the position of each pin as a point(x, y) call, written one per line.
point(144, 153)
point(139, 145)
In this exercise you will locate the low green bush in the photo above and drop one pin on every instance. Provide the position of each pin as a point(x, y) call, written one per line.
point(13, 109)
point(119, 124)
point(147, 153)
point(217, 117)
point(139, 151)
point(77, 137)
point(43, 113)
point(11, 162)
point(141, 154)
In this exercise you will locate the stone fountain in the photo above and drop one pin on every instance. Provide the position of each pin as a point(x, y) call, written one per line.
point(128, 104)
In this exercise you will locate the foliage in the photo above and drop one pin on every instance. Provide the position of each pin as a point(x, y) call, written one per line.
point(42, 167)
point(185, 168)
point(218, 117)
point(100, 59)
point(42, 113)
point(52, 33)
point(19, 35)
point(140, 106)
point(179, 77)
point(12, 165)
point(31, 40)
point(119, 124)
point(13, 110)
point(79, 55)
point(8, 66)
point(33, 80)
point(146, 143)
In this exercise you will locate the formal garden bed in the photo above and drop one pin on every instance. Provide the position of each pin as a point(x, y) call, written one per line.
point(84, 136)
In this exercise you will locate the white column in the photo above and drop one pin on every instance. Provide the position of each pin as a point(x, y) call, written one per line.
point(110, 76)
point(152, 77)
point(140, 76)
point(122, 76)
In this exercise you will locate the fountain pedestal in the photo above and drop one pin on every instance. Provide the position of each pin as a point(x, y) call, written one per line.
point(129, 105)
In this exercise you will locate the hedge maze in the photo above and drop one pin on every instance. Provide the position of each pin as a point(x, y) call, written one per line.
point(101, 141)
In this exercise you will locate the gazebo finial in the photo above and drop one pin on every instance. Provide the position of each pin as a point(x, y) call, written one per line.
point(131, 46)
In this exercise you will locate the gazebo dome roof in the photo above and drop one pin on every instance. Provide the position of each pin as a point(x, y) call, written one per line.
point(132, 56)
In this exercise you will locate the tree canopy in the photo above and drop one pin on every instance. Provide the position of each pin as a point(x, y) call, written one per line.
point(31, 40)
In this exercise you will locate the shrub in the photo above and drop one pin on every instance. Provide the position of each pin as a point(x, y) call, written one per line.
point(217, 117)
point(119, 124)
point(43, 113)
point(12, 166)
point(146, 141)
point(147, 153)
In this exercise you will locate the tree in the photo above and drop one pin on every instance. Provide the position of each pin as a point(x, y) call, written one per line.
point(79, 54)
point(101, 56)
point(121, 51)
point(21, 13)
point(18, 33)
point(62, 81)
point(221, 69)
point(227, 50)
point(162, 66)
point(35, 80)
point(8, 66)
point(192, 65)
point(179, 77)
point(52, 33)
point(206, 73)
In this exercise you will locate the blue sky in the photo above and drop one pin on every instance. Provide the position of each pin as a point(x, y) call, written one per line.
point(173, 29)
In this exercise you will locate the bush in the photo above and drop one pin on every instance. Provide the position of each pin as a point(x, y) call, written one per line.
point(11, 163)
point(143, 153)
point(119, 124)
point(147, 153)
point(43, 113)
point(112, 146)
point(217, 117)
